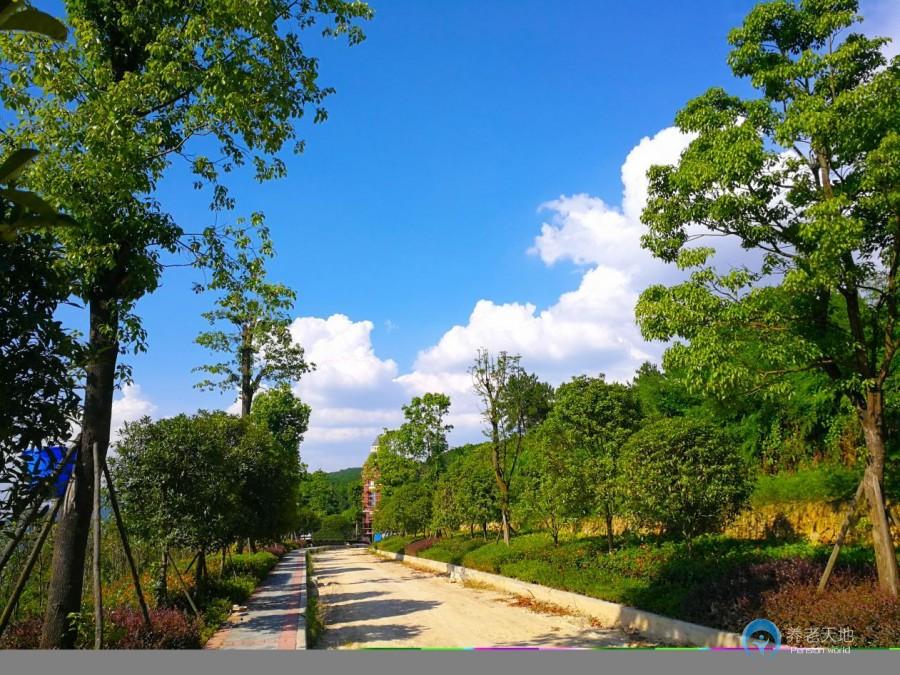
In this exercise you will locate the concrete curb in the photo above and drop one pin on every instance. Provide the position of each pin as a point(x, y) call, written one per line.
point(653, 626)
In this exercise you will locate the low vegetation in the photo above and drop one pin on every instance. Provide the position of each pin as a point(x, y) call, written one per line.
point(719, 581)
point(174, 625)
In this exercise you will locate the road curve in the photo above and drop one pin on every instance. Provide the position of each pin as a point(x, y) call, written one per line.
point(372, 602)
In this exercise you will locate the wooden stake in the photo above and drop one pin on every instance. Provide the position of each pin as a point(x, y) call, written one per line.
point(183, 585)
point(98, 588)
point(123, 535)
point(29, 566)
point(849, 521)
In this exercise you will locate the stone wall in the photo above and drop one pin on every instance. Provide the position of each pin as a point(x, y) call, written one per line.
point(818, 522)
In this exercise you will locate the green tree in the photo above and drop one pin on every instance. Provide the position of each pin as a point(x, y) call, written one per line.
point(558, 479)
point(806, 174)
point(308, 521)
point(176, 482)
point(268, 473)
point(684, 476)
point(424, 431)
point(282, 413)
point(406, 510)
point(597, 417)
point(255, 313)
point(466, 492)
point(512, 402)
point(38, 397)
point(392, 462)
point(111, 109)
point(334, 527)
point(318, 493)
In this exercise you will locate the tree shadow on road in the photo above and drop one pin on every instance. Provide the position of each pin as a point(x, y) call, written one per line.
point(363, 635)
point(322, 571)
point(339, 598)
point(373, 609)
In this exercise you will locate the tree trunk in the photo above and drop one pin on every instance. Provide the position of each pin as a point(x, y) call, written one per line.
point(96, 524)
point(885, 557)
point(609, 527)
point(67, 568)
point(162, 581)
point(246, 371)
point(201, 567)
point(502, 484)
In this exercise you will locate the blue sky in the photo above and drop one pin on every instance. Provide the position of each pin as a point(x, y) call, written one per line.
point(412, 225)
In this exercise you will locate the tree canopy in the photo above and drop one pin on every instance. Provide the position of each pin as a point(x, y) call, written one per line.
point(805, 175)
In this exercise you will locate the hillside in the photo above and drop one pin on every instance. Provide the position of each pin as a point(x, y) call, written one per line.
point(344, 476)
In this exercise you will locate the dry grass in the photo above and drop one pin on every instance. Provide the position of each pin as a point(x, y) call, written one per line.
point(537, 606)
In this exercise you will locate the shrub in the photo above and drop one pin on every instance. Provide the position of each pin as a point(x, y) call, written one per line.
point(451, 550)
point(171, 629)
point(803, 614)
point(256, 565)
point(732, 599)
point(278, 550)
point(821, 482)
point(682, 475)
point(413, 548)
point(393, 544)
point(24, 634)
point(235, 588)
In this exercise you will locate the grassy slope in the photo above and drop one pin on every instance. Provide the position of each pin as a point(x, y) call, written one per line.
point(658, 576)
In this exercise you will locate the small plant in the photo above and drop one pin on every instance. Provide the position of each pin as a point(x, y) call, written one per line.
point(315, 621)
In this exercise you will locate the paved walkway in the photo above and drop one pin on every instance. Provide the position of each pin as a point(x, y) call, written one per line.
point(373, 602)
point(272, 616)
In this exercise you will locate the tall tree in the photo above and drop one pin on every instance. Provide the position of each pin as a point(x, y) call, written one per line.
point(805, 174)
point(284, 414)
point(111, 109)
point(558, 477)
point(512, 402)
point(254, 310)
point(424, 431)
point(596, 417)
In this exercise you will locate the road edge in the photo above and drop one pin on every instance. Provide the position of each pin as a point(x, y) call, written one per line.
point(653, 626)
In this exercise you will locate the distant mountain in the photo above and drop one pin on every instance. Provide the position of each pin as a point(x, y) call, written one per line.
point(344, 476)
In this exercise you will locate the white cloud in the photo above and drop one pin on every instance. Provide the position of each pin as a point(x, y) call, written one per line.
point(587, 231)
point(352, 391)
point(590, 329)
point(131, 405)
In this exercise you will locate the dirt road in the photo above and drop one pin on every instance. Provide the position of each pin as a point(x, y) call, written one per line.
point(372, 602)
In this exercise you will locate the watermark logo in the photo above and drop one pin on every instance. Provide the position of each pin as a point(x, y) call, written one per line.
point(761, 635)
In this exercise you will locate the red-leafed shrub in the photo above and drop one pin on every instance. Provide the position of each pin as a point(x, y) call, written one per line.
point(171, 629)
point(24, 634)
point(419, 545)
point(810, 619)
point(275, 549)
point(728, 601)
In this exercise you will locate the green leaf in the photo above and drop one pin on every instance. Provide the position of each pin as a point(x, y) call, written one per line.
point(14, 164)
point(35, 21)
